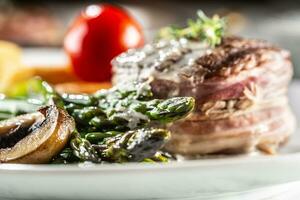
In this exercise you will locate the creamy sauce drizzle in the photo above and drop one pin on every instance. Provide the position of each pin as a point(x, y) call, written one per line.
point(161, 60)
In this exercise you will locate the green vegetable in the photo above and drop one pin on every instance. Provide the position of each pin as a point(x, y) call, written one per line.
point(135, 146)
point(210, 30)
point(98, 137)
point(13, 107)
point(66, 156)
point(120, 109)
point(132, 146)
point(83, 149)
point(169, 110)
point(38, 90)
point(110, 123)
point(132, 114)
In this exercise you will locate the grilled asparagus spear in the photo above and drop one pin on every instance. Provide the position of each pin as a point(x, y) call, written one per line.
point(134, 146)
point(133, 114)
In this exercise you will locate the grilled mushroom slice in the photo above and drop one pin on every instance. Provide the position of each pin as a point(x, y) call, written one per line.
point(35, 138)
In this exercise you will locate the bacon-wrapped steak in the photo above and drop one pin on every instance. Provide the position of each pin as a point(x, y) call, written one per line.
point(240, 89)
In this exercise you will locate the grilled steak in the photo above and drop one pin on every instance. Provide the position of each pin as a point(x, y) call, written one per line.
point(240, 89)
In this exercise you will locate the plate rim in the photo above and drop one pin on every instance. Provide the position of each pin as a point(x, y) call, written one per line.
point(137, 167)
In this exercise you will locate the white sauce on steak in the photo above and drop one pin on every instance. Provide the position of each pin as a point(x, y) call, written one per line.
point(164, 59)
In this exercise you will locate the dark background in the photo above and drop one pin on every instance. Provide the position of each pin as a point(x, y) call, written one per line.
point(43, 23)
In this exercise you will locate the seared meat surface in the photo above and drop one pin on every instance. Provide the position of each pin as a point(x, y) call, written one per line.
point(240, 89)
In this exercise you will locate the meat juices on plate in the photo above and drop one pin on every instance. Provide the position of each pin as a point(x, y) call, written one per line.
point(240, 87)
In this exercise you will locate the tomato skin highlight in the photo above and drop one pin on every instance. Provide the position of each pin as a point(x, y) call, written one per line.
point(98, 34)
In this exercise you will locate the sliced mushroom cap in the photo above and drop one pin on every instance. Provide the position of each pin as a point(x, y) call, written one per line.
point(35, 138)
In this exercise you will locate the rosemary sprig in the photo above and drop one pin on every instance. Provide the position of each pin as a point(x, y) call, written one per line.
point(210, 30)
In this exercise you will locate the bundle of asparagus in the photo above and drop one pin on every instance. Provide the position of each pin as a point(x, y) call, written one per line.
point(111, 125)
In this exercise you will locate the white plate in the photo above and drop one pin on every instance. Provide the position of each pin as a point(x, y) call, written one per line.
point(243, 177)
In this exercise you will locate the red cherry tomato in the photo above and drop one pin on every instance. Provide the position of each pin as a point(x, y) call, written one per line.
point(100, 33)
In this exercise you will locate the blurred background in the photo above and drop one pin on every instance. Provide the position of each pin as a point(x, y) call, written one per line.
point(43, 24)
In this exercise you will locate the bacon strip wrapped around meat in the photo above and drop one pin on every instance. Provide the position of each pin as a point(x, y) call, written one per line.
point(240, 87)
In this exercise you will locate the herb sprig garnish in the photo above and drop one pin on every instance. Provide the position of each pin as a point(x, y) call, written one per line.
point(210, 30)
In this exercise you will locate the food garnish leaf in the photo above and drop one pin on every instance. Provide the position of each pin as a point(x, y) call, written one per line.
point(210, 30)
